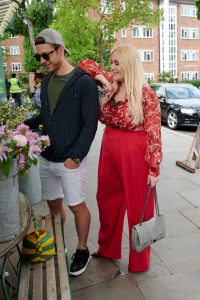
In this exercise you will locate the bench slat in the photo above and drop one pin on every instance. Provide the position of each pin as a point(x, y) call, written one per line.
point(50, 268)
point(39, 291)
point(37, 282)
point(24, 282)
point(63, 273)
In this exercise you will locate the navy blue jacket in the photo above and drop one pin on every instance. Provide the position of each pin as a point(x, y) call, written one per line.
point(73, 124)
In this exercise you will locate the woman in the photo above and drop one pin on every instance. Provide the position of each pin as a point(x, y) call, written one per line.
point(37, 90)
point(130, 153)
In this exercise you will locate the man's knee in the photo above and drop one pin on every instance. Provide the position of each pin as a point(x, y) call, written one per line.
point(55, 205)
point(79, 208)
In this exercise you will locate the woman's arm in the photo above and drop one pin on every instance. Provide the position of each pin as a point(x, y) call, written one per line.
point(152, 124)
point(95, 71)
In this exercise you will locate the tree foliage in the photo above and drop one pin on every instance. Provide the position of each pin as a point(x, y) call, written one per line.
point(89, 30)
point(197, 3)
point(166, 76)
point(29, 20)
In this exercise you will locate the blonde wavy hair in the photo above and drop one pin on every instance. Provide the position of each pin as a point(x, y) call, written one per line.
point(129, 59)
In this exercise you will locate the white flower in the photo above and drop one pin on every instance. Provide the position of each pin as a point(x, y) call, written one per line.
point(21, 140)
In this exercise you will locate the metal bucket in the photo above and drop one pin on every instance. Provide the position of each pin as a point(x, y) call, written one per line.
point(9, 204)
point(30, 185)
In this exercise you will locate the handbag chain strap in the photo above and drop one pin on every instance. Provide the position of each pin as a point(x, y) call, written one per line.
point(146, 201)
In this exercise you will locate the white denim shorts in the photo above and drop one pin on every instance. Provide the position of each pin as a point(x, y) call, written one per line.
point(57, 181)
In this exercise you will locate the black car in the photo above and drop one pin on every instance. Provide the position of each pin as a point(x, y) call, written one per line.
point(180, 103)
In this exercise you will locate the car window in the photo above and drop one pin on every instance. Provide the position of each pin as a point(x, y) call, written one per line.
point(182, 92)
point(159, 90)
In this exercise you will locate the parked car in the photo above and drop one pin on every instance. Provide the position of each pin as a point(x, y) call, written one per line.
point(179, 102)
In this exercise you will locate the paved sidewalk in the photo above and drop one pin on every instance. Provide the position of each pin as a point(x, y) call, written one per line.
point(175, 262)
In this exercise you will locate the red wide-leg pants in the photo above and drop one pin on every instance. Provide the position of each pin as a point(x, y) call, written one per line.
point(122, 185)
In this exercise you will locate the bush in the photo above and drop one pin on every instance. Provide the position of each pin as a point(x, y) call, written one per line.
point(194, 82)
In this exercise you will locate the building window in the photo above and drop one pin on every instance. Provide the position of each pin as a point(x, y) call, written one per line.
point(135, 32)
point(149, 77)
point(146, 55)
point(189, 33)
point(188, 10)
point(122, 5)
point(172, 40)
point(189, 75)
point(142, 32)
point(189, 55)
point(106, 7)
point(14, 50)
point(13, 36)
point(16, 67)
point(3, 50)
point(123, 33)
point(5, 66)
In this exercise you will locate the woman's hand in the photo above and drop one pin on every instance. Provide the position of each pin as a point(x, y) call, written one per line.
point(152, 180)
point(105, 83)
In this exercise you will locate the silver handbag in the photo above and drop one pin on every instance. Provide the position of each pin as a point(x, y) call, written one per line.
point(146, 233)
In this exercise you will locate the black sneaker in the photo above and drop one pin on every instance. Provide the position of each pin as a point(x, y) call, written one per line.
point(81, 259)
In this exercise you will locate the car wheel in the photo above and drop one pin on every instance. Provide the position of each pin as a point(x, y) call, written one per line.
point(172, 120)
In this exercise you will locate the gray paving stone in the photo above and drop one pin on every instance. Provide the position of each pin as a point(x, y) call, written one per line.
point(178, 185)
point(192, 196)
point(157, 267)
point(174, 287)
point(121, 288)
point(172, 171)
point(193, 215)
point(178, 225)
point(171, 200)
point(179, 254)
point(98, 270)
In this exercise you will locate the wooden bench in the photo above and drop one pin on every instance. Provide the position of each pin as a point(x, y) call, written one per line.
point(47, 280)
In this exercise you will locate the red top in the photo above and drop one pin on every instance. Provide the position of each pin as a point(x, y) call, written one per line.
point(116, 116)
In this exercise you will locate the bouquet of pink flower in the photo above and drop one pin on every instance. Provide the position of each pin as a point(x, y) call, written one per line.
point(20, 143)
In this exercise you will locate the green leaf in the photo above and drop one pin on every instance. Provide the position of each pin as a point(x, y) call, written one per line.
point(6, 165)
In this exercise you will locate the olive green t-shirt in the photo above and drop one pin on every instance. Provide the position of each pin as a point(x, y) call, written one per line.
point(55, 87)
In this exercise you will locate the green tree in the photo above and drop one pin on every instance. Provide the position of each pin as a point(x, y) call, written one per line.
point(89, 30)
point(166, 76)
point(30, 19)
point(197, 3)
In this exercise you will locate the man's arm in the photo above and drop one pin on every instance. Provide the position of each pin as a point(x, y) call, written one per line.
point(34, 122)
point(88, 95)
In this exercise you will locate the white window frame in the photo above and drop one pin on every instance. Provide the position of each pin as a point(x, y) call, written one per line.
point(143, 32)
point(189, 33)
point(192, 75)
point(123, 33)
point(149, 76)
point(105, 7)
point(147, 55)
point(14, 50)
point(189, 55)
point(14, 36)
point(122, 5)
point(3, 49)
point(16, 67)
point(188, 11)
point(5, 66)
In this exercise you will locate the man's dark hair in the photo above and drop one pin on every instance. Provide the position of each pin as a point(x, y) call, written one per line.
point(39, 75)
point(13, 75)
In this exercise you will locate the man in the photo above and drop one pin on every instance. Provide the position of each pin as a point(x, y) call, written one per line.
point(69, 115)
point(15, 90)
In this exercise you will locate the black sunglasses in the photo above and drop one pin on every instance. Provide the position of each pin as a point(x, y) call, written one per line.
point(45, 56)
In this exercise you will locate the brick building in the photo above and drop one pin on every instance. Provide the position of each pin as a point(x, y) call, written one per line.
point(174, 46)
point(13, 53)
